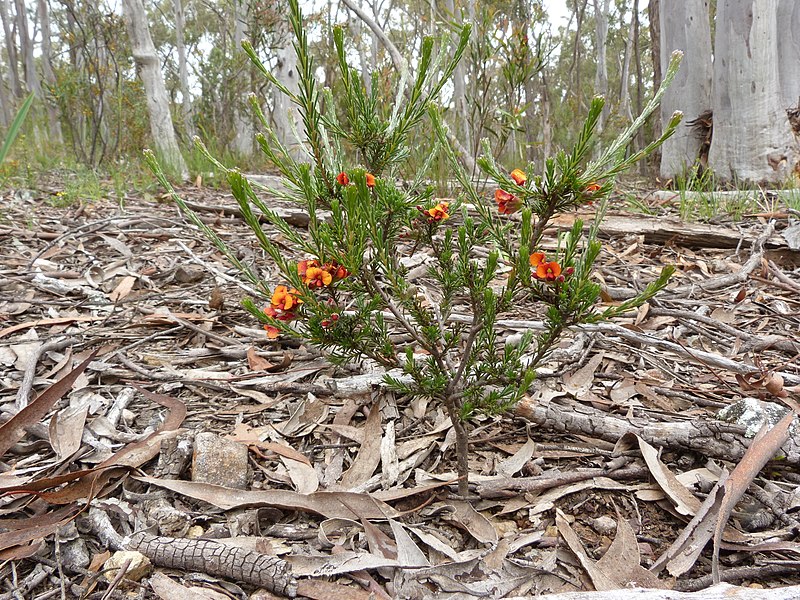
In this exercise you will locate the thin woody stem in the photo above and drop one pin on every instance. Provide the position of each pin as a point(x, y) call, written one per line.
point(371, 282)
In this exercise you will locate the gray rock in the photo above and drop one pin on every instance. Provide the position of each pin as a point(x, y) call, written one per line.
point(219, 461)
point(753, 413)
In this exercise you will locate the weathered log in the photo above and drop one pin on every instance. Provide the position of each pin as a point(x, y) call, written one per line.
point(721, 591)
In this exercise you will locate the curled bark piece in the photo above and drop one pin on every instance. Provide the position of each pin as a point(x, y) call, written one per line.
point(214, 558)
point(205, 556)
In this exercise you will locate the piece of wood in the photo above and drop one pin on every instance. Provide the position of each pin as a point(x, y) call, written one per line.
point(722, 591)
point(668, 230)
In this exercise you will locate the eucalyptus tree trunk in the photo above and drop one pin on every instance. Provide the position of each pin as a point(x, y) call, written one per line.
point(753, 141)
point(685, 26)
point(49, 75)
point(625, 76)
point(244, 130)
point(26, 50)
point(148, 67)
point(460, 121)
point(789, 51)
point(601, 8)
point(183, 72)
point(285, 117)
point(11, 50)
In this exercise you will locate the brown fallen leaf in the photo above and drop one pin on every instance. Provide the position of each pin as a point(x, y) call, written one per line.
point(369, 454)
point(623, 559)
point(327, 590)
point(600, 579)
point(14, 429)
point(346, 505)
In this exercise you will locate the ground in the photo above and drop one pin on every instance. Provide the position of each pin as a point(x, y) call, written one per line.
point(584, 485)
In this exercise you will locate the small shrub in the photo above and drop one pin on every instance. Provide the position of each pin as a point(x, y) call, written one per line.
point(350, 293)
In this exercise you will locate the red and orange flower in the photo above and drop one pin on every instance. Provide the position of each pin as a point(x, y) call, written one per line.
point(316, 276)
point(519, 177)
point(437, 213)
point(370, 180)
point(342, 179)
point(283, 301)
point(546, 270)
point(507, 203)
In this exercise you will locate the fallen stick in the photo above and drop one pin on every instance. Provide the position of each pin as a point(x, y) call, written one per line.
point(204, 556)
point(722, 591)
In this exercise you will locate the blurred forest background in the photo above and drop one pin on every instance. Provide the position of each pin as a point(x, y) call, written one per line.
point(112, 77)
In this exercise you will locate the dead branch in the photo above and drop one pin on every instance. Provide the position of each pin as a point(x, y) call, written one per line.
point(710, 437)
point(204, 556)
point(722, 591)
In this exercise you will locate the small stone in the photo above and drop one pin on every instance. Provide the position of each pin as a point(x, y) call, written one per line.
point(753, 414)
point(604, 525)
point(138, 567)
point(189, 274)
point(75, 555)
point(219, 461)
point(195, 531)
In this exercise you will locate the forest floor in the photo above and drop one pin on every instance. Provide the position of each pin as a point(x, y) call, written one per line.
point(599, 474)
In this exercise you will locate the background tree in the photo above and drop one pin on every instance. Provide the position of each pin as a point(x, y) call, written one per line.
point(753, 141)
point(149, 68)
point(685, 26)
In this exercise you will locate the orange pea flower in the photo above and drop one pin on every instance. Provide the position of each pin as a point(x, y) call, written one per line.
point(342, 178)
point(317, 277)
point(336, 270)
point(548, 271)
point(507, 203)
point(303, 265)
point(436, 213)
point(593, 187)
point(370, 180)
point(536, 259)
point(284, 299)
point(272, 331)
point(519, 177)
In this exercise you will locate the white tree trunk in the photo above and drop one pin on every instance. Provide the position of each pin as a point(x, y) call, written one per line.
point(685, 26)
point(244, 131)
point(460, 109)
point(26, 50)
point(789, 51)
point(11, 50)
point(183, 71)
point(752, 139)
point(601, 8)
point(48, 74)
point(625, 76)
point(149, 69)
point(284, 114)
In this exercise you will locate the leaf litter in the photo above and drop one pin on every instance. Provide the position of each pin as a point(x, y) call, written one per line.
point(122, 338)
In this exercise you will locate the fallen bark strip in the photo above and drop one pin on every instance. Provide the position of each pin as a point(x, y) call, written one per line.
point(709, 437)
point(722, 591)
point(204, 556)
point(660, 230)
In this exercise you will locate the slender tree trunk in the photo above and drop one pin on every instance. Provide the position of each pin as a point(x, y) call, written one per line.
point(601, 41)
point(49, 75)
point(575, 68)
point(149, 69)
point(625, 76)
point(26, 50)
point(5, 103)
point(685, 27)
point(789, 51)
point(244, 131)
point(753, 141)
point(639, 89)
point(460, 109)
point(183, 72)
point(11, 50)
point(285, 117)
point(654, 19)
point(547, 132)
